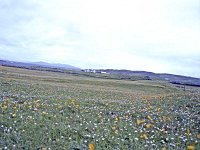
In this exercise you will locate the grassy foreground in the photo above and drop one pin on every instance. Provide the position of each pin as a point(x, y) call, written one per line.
point(45, 110)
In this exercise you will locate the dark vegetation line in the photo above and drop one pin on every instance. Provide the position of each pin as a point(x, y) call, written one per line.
point(184, 84)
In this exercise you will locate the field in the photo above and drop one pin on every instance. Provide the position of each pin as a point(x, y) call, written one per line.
point(56, 111)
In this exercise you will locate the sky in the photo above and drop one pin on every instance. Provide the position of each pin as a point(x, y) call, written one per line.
point(161, 36)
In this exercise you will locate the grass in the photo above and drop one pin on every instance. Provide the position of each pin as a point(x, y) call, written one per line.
point(48, 110)
point(80, 73)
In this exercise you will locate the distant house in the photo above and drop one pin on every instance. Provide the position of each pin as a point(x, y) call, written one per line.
point(95, 71)
point(90, 70)
point(103, 72)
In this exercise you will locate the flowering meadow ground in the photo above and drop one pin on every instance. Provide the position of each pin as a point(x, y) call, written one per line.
point(54, 111)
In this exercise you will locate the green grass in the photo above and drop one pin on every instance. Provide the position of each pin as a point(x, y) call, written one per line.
point(46, 110)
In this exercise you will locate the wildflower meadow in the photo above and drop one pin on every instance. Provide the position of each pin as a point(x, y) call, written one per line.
point(54, 111)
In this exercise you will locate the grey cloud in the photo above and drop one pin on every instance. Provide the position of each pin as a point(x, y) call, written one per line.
point(29, 29)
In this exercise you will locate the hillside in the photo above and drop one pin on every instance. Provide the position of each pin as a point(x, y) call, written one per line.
point(56, 65)
point(36, 65)
point(175, 79)
point(105, 73)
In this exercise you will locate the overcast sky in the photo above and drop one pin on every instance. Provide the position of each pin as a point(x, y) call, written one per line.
point(151, 35)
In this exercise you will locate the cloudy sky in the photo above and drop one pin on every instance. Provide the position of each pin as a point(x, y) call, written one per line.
point(152, 35)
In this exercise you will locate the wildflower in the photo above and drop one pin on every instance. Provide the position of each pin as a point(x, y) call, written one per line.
point(116, 119)
point(158, 109)
point(116, 131)
point(149, 117)
point(14, 106)
point(150, 107)
point(59, 107)
point(4, 107)
point(136, 139)
point(44, 148)
point(198, 136)
point(13, 115)
point(164, 148)
point(37, 101)
point(114, 128)
point(91, 146)
point(188, 132)
point(163, 130)
point(149, 125)
point(143, 136)
point(73, 102)
point(190, 147)
point(139, 122)
point(44, 113)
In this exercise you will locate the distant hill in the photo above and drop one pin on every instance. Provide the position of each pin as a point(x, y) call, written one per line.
point(105, 73)
point(37, 64)
point(56, 65)
point(175, 79)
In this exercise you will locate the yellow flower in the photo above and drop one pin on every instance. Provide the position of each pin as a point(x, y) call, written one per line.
point(188, 132)
point(143, 136)
point(44, 113)
point(13, 115)
point(14, 106)
point(114, 128)
point(163, 130)
point(149, 117)
point(190, 147)
point(4, 107)
point(158, 109)
point(116, 118)
point(139, 122)
point(163, 148)
point(91, 146)
point(59, 107)
point(149, 125)
point(73, 102)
